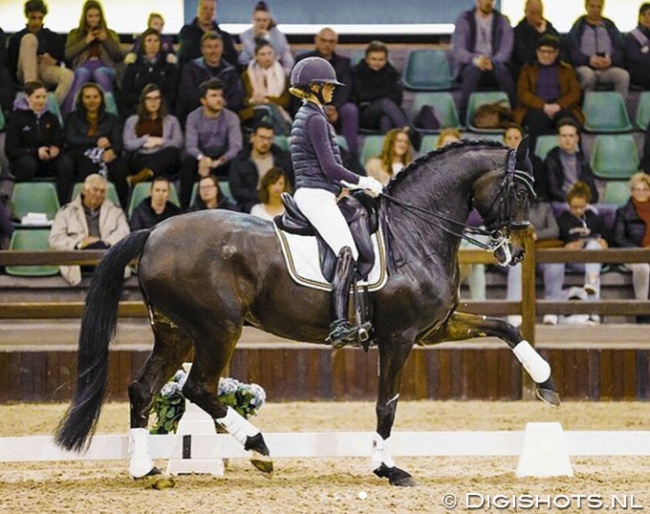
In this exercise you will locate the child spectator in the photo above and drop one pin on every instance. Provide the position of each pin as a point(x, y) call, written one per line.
point(155, 22)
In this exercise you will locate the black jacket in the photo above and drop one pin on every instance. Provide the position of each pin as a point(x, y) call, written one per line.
point(637, 58)
point(573, 229)
point(143, 72)
point(243, 176)
point(370, 85)
point(76, 128)
point(26, 133)
point(555, 176)
point(48, 42)
point(145, 217)
point(189, 39)
point(629, 228)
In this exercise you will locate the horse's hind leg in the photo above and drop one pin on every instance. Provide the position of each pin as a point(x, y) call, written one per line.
point(171, 346)
point(462, 326)
point(202, 384)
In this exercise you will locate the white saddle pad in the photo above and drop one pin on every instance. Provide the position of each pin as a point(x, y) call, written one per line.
point(303, 263)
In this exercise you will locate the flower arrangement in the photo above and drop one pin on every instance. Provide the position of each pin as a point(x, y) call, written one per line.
point(169, 405)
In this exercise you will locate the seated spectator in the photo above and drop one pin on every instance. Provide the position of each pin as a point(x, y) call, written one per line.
point(94, 139)
point(548, 91)
point(341, 112)
point(6, 226)
point(37, 53)
point(190, 35)
point(448, 135)
point(482, 46)
point(212, 138)
point(210, 196)
point(566, 164)
point(637, 49)
point(527, 34)
point(512, 136)
point(266, 90)
point(265, 29)
point(8, 87)
point(155, 208)
point(157, 23)
point(596, 48)
point(378, 93)
point(247, 171)
point(273, 184)
point(34, 142)
point(210, 66)
point(90, 222)
point(394, 157)
point(150, 67)
point(631, 231)
point(582, 228)
point(153, 138)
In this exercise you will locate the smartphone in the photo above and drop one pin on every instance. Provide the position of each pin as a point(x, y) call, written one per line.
point(600, 54)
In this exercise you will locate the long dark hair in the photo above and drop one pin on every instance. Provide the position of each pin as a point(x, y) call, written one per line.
point(79, 104)
point(270, 178)
point(146, 33)
point(141, 111)
point(91, 4)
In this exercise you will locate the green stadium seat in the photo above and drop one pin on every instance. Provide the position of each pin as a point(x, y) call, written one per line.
point(371, 147)
point(615, 157)
point(282, 142)
point(617, 192)
point(38, 197)
point(111, 194)
point(224, 185)
point(443, 106)
point(642, 118)
point(544, 145)
point(479, 98)
point(605, 111)
point(357, 55)
point(54, 107)
point(141, 191)
point(428, 70)
point(31, 239)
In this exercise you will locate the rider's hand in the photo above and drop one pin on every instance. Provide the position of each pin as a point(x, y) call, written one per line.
point(371, 184)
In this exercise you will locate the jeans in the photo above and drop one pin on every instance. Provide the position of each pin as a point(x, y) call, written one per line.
point(92, 70)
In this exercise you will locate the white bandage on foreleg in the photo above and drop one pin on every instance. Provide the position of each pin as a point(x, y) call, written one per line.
point(140, 462)
point(538, 369)
point(238, 426)
point(381, 452)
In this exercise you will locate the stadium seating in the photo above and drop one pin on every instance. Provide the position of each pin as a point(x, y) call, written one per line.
point(31, 240)
point(545, 144)
point(479, 98)
point(443, 107)
point(282, 142)
point(111, 193)
point(617, 192)
point(615, 157)
point(642, 118)
point(428, 70)
point(36, 197)
point(142, 190)
point(371, 147)
point(605, 111)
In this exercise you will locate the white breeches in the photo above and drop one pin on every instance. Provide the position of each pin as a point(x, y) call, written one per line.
point(319, 206)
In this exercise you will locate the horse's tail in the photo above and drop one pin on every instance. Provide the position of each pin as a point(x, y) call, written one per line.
point(97, 329)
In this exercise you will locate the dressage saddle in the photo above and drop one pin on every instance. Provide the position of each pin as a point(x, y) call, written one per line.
point(361, 215)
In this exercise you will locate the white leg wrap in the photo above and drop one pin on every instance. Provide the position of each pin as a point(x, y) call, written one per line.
point(381, 452)
point(140, 462)
point(538, 369)
point(238, 426)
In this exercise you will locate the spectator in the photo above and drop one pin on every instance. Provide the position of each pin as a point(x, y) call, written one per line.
point(448, 135)
point(394, 157)
point(512, 136)
point(93, 49)
point(274, 183)
point(210, 66)
point(247, 170)
point(342, 112)
point(190, 36)
point(212, 138)
point(155, 208)
point(582, 228)
point(377, 90)
point(153, 137)
point(631, 231)
point(210, 196)
point(6, 226)
point(90, 222)
point(637, 49)
point(8, 87)
point(566, 164)
point(266, 90)
point(157, 23)
point(482, 46)
point(265, 29)
point(150, 67)
point(34, 142)
point(94, 139)
point(37, 53)
point(527, 34)
point(548, 91)
point(597, 50)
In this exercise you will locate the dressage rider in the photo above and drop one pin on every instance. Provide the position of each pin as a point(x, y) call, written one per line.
point(320, 177)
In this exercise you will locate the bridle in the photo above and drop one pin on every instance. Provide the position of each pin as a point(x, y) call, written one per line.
point(501, 206)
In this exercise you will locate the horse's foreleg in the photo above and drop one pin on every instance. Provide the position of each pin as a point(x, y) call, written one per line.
point(171, 346)
point(391, 365)
point(461, 326)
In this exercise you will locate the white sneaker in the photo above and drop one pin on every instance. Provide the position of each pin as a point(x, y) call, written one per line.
point(591, 288)
point(515, 320)
point(595, 318)
point(550, 319)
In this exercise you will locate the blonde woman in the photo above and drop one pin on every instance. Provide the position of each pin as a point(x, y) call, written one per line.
point(448, 135)
point(395, 155)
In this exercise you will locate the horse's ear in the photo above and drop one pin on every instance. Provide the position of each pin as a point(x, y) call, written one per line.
point(522, 149)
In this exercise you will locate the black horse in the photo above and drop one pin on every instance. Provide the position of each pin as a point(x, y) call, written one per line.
point(207, 274)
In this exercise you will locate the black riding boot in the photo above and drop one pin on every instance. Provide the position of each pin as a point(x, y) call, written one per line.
point(341, 331)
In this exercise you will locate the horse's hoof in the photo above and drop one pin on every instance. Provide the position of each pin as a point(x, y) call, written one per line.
point(262, 463)
point(395, 476)
point(546, 392)
point(160, 481)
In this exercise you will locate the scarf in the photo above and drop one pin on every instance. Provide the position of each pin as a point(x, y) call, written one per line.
point(268, 82)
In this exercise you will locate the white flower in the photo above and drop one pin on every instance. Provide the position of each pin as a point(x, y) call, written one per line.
point(259, 395)
point(228, 386)
point(169, 389)
point(180, 377)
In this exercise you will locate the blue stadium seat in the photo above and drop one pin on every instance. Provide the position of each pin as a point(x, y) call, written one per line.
point(428, 70)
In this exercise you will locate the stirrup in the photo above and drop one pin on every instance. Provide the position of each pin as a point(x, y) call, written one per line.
point(342, 333)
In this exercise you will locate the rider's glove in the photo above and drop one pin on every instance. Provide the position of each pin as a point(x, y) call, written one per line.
point(371, 184)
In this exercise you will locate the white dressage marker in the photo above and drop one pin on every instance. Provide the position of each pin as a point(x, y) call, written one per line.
point(544, 452)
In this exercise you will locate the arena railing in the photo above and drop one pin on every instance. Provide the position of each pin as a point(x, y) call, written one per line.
point(529, 307)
